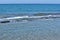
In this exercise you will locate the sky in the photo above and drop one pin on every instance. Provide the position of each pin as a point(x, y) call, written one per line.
point(29, 1)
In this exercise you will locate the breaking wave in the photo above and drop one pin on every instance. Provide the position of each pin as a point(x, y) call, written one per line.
point(27, 18)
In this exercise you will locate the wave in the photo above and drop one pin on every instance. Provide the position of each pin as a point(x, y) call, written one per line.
point(27, 18)
point(20, 17)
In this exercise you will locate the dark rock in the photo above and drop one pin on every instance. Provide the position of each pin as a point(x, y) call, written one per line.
point(4, 21)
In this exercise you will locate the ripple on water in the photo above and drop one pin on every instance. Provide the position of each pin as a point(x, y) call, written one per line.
point(33, 30)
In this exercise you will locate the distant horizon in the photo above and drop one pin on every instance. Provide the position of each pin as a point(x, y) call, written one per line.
point(26, 3)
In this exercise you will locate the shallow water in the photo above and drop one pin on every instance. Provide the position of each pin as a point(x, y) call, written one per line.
point(32, 30)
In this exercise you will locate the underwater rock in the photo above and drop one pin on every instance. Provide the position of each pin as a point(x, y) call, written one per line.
point(4, 21)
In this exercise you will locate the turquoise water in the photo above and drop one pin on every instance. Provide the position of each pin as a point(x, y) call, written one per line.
point(41, 29)
point(24, 8)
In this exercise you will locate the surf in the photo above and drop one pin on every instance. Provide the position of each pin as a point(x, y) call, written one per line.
point(27, 18)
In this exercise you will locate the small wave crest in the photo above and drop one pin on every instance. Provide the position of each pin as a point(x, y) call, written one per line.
point(28, 18)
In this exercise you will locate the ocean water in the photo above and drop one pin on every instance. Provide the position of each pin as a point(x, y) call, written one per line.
point(41, 29)
point(28, 8)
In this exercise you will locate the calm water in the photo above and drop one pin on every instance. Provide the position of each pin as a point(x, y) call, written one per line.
point(41, 29)
point(24, 8)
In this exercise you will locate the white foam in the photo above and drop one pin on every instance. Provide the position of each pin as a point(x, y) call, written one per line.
point(18, 17)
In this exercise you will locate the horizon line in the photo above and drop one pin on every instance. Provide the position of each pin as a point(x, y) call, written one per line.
point(28, 3)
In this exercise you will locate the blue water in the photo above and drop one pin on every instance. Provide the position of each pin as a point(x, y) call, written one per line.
point(33, 30)
point(24, 8)
point(41, 29)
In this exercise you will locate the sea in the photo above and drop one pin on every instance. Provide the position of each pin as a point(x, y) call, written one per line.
point(42, 29)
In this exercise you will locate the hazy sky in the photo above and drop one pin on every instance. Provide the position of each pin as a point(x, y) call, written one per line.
point(30, 1)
